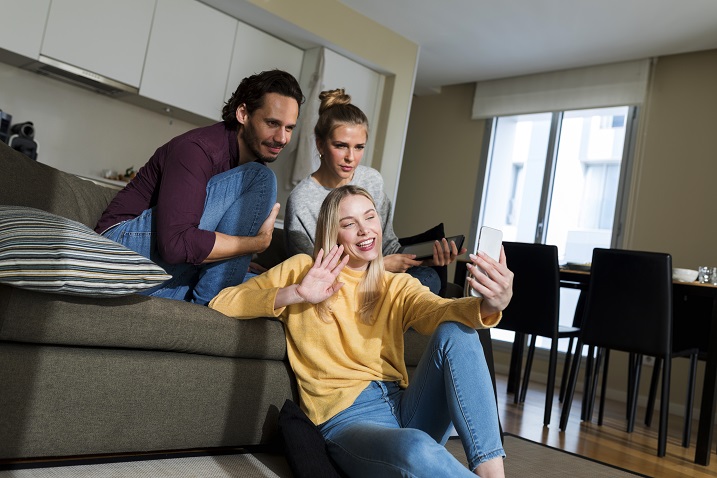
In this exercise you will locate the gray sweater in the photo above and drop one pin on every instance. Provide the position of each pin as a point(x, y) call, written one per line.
point(302, 211)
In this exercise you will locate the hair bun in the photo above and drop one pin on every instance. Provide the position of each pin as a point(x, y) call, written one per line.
point(331, 98)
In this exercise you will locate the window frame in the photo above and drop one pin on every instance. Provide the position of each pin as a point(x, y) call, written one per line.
point(621, 200)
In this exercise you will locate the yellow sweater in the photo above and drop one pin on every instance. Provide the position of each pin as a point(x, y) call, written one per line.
point(334, 362)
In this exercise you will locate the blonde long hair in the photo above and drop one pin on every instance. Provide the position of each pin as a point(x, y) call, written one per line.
point(327, 232)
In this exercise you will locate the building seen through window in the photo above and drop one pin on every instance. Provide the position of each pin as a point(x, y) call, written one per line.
point(555, 178)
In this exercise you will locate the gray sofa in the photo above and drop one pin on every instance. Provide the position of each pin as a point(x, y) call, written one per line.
point(133, 374)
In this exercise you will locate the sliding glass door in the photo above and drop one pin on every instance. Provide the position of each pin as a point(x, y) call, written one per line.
point(558, 178)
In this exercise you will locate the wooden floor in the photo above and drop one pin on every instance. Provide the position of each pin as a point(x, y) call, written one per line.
point(609, 443)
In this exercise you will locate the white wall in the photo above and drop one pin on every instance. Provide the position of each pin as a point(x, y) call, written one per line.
point(82, 132)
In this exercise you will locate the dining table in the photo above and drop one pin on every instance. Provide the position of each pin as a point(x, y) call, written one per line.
point(580, 279)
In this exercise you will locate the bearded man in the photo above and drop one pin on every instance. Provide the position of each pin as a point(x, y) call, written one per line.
point(205, 202)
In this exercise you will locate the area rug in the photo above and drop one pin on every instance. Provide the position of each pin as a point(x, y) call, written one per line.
point(525, 459)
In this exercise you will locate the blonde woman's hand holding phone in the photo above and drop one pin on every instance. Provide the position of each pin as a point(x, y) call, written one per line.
point(493, 280)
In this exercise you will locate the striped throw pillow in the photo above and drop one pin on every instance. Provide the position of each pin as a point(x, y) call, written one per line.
point(49, 253)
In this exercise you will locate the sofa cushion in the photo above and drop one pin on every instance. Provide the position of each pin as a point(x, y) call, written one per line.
point(135, 322)
point(24, 182)
point(414, 345)
point(49, 253)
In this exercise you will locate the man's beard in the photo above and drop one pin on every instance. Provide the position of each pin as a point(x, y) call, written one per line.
point(253, 143)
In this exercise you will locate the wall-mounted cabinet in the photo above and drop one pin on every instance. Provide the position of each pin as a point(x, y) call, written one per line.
point(103, 36)
point(181, 56)
point(248, 59)
point(188, 57)
point(22, 25)
point(364, 85)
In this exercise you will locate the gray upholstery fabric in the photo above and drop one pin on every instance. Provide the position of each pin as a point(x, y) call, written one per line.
point(135, 321)
point(66, 401)
point(414, 343)
point(24, 182)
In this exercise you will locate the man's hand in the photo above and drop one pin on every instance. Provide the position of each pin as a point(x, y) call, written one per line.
point(400, 262)
point(266, 231)
point(228, 247)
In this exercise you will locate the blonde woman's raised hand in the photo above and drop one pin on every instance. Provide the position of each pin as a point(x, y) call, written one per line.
point(320, 282)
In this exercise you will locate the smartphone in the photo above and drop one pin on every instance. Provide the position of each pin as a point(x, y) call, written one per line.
point(489, 241)
point(424, 250)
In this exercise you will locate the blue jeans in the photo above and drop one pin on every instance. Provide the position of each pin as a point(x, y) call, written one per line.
point(390, 432)
point(428, 277)
point(237, 203)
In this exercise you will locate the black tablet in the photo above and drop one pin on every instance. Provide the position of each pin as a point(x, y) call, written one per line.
point(424, 250)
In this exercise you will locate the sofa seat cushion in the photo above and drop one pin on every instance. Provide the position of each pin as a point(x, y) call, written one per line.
point(135, 321)
point(414, 345)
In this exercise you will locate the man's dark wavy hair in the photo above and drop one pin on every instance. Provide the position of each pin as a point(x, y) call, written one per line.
point(252, 89)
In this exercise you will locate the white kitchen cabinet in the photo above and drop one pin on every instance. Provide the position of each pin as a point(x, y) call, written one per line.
point(188, 57)
point(362, 83)
point(103, 36)
point(22, 25)
point(256, 51)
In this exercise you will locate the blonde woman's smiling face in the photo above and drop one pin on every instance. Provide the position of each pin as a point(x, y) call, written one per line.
point(359, 230)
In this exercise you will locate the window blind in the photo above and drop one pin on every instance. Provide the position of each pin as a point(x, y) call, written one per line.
point(616, 84)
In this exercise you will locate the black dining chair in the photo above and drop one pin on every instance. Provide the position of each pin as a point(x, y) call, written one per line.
point(693, 355)
point(534, 310)
point(689, 340)
point(629, 309)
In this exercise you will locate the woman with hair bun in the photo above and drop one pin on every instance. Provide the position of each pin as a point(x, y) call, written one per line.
point(341, 134)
